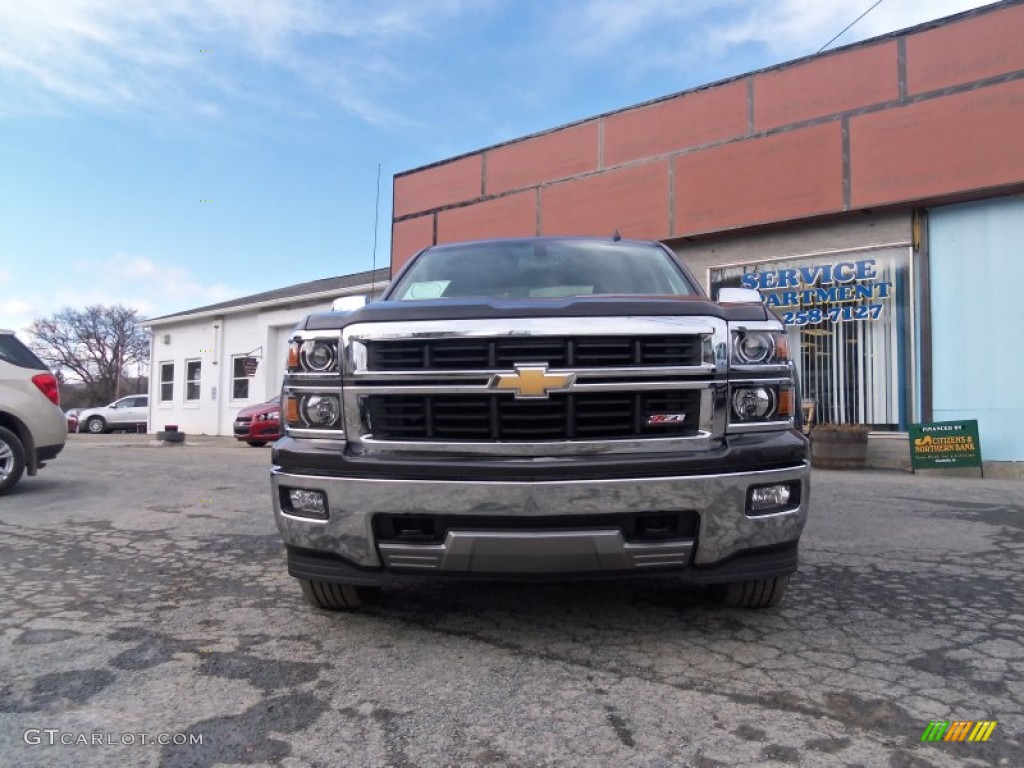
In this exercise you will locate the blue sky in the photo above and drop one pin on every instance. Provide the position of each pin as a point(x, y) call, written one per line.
point(119, 118)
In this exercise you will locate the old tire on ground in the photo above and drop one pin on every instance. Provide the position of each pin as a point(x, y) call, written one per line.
point(12, 459)
point(756, 593)
point(96, 425)
point(256, 443)
point(333, 597)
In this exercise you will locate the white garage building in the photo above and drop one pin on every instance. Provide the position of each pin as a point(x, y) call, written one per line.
point(198, 372)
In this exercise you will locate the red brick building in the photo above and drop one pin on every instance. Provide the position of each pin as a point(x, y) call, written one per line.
point(877, 151)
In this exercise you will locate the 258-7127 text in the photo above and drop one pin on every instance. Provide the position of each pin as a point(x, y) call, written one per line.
point(835, 314)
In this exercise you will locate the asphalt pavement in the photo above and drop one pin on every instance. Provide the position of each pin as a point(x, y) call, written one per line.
point(146, 618)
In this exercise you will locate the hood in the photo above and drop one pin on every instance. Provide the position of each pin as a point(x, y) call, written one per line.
point(255, 410)
point(576, 306)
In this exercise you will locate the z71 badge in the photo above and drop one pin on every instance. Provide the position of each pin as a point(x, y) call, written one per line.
point(665, 418)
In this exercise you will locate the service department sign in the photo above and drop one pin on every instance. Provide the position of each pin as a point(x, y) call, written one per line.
point(821, 293)
point(944, 444)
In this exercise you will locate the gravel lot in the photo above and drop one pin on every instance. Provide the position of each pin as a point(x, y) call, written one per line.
point(143, 592)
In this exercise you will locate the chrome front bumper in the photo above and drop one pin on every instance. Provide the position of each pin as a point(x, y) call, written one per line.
point(720, 500)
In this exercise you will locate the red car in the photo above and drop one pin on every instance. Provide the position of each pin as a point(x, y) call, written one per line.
point(259, 424)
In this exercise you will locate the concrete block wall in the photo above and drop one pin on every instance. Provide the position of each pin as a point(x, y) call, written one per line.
point(931, 114)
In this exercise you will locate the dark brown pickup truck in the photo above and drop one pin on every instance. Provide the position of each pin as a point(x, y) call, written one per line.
point(536, 409)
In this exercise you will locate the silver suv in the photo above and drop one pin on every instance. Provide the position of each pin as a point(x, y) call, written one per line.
point(32, 425)
point(129, 413)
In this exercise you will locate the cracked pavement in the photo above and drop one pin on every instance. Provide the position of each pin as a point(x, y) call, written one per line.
point(143, 590)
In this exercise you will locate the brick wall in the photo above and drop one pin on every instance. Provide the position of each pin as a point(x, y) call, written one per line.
point(930, 114)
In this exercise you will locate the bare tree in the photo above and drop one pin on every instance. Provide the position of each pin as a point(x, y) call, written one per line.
point(95, 345)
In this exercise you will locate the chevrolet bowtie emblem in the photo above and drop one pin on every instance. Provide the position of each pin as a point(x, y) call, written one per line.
point(532, 381)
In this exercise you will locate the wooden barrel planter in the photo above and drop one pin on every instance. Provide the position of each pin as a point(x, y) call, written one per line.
point(839, 446)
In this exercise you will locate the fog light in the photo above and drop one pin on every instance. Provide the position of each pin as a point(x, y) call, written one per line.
point(307, 503)
point(769, 498)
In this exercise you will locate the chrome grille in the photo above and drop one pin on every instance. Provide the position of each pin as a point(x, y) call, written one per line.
point(557, 352)
point(486, 417)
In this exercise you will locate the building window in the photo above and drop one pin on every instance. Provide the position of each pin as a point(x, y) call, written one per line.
point(166, 382)
point(239, 379)
point(849, 320)
point(193, 369)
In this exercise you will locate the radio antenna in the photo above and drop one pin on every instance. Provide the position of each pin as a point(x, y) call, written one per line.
point(376, 221)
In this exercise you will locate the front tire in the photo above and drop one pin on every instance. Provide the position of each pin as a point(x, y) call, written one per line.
point(256, 443)
point(755, 593)
point(96, 425)
point(12, 460)
point(333, 597)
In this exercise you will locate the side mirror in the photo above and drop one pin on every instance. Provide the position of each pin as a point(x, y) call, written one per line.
point(348, 303)
point(739, 296)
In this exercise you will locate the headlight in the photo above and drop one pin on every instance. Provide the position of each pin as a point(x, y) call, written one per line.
point(313, 356)
point(315, 410)
point(318, 356)
point(272, 416)
point(753, 403)
point(321, 410)
point(751, 347)
point(755, 347)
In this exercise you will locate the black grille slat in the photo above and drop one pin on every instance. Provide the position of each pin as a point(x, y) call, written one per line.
point(556, 351)
point(614, 352)
point(665, 351)
point(525, 420)
point(563, 416)
point(449, 355)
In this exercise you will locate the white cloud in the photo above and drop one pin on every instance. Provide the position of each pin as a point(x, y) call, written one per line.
point(644, 35)
point(159, 287)
point(17, 314)
point(603, 26)
point(801, 27)
point(119, 55)
point(209, 109)
point(139, 282)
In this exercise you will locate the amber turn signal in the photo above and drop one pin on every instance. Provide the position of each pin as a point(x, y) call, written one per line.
point(785, 403)
point(781, 347)
point(291, 409)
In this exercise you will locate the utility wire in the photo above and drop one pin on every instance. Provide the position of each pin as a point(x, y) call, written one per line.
point(376, 220)
point(847, 27)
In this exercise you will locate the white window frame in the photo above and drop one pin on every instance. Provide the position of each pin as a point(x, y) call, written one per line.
point(235, 359)
point(160, 399)
point(197, 382)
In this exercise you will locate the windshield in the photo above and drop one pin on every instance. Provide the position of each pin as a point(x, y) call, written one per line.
point(541, 269)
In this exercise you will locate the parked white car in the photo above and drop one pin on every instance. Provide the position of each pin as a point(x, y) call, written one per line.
point(130, 413)
point(32, 425)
